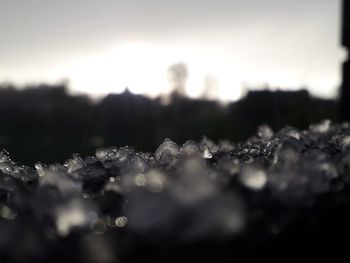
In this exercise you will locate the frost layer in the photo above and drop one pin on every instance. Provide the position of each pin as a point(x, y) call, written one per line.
point(103, 208)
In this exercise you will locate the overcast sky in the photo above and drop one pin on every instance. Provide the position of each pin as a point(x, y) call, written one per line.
point(103, 46)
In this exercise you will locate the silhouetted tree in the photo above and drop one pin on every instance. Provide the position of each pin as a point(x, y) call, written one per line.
point(178, 74)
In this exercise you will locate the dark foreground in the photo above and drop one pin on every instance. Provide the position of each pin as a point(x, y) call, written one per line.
point(277, 196)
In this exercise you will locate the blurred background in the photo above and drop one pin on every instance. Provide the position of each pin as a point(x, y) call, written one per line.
point(75, 76)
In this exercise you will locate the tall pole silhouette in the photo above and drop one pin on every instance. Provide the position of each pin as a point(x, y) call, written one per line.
point(345, 88)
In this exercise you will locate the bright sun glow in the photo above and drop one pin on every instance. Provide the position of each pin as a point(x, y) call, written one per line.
point(139, 67)
point(142, 68)
point(220, 73)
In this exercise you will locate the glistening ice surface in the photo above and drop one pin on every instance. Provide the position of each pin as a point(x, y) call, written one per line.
point(124, 206)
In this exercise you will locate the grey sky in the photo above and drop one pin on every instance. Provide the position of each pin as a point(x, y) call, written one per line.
point(301, 36)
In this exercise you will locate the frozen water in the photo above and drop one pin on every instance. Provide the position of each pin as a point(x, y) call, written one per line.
point(321, 127)
point(107, 153)
point(21, 172)
point(190, 147)
point(167, 153)
point(343, 140)
point(199, 192)
point(218, 217)
point(228, 165)
point(206, 151)
point(121, 221)
point(208, 145)
point(75, 163)
point(60, 180)
point(167, 147)
point(6, 165)
point(226, 146)
point(253, 177)
point(194, 183)
point(265, 132)
point(7, 213)
point(70, 215)
point(291, 132)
